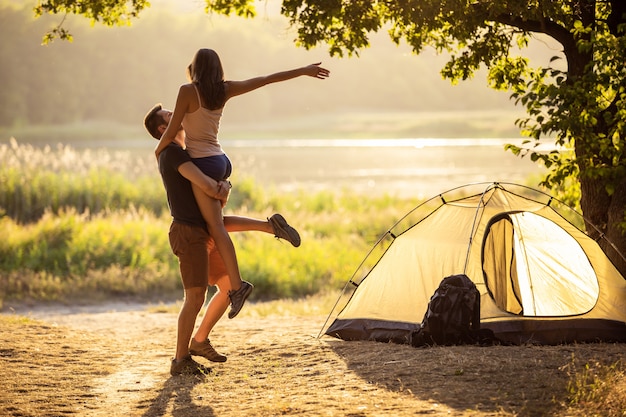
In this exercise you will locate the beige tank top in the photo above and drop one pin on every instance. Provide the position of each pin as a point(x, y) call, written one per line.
point(201, 129)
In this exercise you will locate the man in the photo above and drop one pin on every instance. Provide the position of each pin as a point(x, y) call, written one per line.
point(200, 264)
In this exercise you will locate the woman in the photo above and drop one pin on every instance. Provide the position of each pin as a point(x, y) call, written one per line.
point(198, 110)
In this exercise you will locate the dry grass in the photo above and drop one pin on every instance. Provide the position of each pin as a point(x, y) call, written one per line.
point(117, 362)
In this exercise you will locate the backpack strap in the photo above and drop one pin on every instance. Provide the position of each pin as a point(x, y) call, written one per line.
point(476, 315)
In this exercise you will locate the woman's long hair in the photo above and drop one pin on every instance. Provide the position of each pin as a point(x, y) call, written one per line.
point(206, 72)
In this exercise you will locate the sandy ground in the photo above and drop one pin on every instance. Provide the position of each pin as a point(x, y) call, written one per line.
point(114, 361)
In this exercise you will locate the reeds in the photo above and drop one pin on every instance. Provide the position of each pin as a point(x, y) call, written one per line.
point(34, 181)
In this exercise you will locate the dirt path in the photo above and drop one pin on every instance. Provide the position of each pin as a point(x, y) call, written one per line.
point(116, 362)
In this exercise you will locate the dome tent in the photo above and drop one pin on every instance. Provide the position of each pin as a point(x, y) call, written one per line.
point(541, 279)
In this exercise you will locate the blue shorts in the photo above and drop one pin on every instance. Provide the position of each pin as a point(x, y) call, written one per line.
point(217, 167)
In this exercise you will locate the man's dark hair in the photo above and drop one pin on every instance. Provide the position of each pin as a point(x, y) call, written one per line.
point(153, 120)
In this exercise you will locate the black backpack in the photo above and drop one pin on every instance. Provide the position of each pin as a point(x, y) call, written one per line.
point(453, 315)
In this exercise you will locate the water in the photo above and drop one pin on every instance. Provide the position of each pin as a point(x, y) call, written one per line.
point(402, 167)
point(419, 167)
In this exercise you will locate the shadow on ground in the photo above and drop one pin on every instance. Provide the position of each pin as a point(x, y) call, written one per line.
point(520, 380)
point(176, 398)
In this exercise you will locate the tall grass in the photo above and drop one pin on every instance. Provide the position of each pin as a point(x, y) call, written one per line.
point(36, 180)
point(93, 225)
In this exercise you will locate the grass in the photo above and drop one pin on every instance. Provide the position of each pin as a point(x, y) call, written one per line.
point(40, 180)
point(85, 225)
point(597, 388)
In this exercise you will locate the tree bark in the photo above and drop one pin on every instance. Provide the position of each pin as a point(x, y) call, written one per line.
point(615, 234)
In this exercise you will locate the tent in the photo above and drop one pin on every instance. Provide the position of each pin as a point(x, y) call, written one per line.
point(541, 279)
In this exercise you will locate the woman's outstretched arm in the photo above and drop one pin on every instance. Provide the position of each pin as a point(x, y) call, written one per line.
point(236, 88)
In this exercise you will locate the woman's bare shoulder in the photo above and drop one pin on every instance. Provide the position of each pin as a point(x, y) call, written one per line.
point(189, 87)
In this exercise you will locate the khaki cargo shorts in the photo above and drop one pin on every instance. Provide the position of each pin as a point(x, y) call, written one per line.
point(200, 262)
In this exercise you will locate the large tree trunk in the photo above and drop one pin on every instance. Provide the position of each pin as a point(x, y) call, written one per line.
point(614, 232)
point(605, 213)
point(616, 213)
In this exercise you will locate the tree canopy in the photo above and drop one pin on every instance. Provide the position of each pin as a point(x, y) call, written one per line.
point(579, 102)
point(107, 12)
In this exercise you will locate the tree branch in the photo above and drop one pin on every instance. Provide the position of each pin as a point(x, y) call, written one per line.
point(546, 26)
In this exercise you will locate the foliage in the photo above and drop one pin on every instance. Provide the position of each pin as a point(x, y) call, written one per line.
point(72, 244)
point(127, 253)
point(108, 12)
point(585, 111)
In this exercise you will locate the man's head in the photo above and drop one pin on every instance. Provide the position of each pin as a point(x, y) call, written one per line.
point(156, 121)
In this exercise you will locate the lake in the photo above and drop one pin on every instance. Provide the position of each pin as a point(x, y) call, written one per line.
point(419, 167)
point(402, 167)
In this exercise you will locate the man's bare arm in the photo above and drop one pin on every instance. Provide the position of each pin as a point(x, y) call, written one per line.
point(217, 190)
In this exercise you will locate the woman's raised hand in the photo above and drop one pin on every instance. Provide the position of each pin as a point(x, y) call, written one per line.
point(314, 70)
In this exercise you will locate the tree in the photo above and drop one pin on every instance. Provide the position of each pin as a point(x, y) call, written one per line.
point(580, 103)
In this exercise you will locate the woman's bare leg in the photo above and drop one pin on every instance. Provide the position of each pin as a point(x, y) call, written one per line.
point(214, 311)
point(276, 225)
point(212, 212)
point(246, 224)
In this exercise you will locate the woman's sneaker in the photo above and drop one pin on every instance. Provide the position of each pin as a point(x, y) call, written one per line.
point(282, 230)
point(205, 350)
point(238, 298)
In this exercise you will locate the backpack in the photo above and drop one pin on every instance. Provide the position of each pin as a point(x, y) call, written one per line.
point(452, 316)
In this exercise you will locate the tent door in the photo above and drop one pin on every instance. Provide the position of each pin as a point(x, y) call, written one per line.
point(532, 267)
